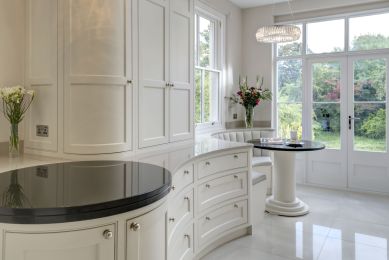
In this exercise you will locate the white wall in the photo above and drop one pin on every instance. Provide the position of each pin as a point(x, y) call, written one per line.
point(256, 57)
point(233, 51)
point(12, 28)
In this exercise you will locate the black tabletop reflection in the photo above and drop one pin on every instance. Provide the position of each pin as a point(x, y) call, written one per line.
point(295, 146)
point(75, 191)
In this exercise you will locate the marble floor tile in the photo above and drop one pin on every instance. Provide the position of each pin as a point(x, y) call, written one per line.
point(340, 226)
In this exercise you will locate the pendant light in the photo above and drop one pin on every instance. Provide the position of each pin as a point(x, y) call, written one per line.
point(279, 33)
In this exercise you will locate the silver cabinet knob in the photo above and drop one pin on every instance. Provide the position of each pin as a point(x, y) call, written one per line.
point(171, 85)
point(186, 172)
point(236, 156)
point(135, 226)
point(207, 163)
point(172, 219)
point(207, 185)
point(207, 218)
point(107, 234)
point(186, 198)
point(167, 84)
point(129, 81)
point(236, 177)
point(236, 206)
point(173, 187)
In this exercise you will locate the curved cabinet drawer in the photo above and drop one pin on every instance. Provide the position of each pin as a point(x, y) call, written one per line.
point(180, 211)
point(222, 163)
point(182, 178)
point(221, 189)
point(221, 220)
point(181, 246)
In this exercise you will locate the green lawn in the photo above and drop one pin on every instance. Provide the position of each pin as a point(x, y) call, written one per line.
point(362, 143)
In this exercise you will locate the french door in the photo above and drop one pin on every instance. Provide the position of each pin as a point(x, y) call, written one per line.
point(347, 110)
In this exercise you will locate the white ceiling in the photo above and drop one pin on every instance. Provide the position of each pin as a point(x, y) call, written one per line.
point(254, 3)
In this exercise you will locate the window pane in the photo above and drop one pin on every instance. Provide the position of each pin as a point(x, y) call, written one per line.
point(326, 82)
point(325, 37)
point(198, 96)
point(206, 43)
point(211, 96)
point(370, 127)
point(369, 32)
point(326, 124)
point(289, 81)
point(290, 48)
point(289, 119)
point(370, 80)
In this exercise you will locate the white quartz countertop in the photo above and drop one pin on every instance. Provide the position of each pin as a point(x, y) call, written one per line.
point(171, 158)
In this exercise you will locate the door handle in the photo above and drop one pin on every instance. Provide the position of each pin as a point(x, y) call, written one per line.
point(350, 119)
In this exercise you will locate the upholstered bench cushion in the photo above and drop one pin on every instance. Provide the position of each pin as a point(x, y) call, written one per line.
point(257, 177)
point(261, 161)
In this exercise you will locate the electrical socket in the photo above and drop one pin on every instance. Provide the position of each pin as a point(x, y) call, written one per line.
point(42, 130)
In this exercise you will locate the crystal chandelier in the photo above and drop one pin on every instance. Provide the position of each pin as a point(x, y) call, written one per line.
point(279, 33)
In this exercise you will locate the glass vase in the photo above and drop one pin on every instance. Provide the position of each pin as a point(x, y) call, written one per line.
point(249, 117)
point(14, 143)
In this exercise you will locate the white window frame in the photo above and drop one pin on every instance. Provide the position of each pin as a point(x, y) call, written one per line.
point(305, 57)
point(206, 11)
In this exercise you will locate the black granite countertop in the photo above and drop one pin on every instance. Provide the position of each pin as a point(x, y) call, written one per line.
point(74, 191)
point(294, 146)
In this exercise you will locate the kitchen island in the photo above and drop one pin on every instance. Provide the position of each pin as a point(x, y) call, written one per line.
point(73, 210)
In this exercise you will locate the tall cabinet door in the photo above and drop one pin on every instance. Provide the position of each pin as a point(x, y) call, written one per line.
point(41, 72)
point(97, 72)
point(181, 69)
point(153, 20)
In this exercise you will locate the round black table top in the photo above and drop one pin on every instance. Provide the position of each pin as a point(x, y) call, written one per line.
point(295, 146)
point(75, 191)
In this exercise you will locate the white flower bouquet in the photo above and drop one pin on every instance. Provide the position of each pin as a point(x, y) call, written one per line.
point(16, 101)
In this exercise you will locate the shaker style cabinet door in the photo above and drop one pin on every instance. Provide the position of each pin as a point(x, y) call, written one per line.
point(153, 30)
point(97, 76)
point(181, 69)
point(146, 238)
point(89, 244)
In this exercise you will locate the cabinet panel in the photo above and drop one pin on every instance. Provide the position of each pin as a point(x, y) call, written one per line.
point(97, 37)
point(146, 239)
point(97, 67)
point(153, 72)
point(88, 244)
point(221, 189)
point(221, 220)
point(181, 70)
point(97, 114)
point(180, 212)
point(180, 113)
point(222, 163)
point(181, 246)
point(41, 72)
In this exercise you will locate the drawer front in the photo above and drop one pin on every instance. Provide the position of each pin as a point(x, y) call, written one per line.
point(222, 163)
point(182, 178)
point(181, 246)
point(221, 220)
point(221, 189)
point(180, 211)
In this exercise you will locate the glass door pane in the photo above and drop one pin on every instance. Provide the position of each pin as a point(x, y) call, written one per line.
point(369, 92)
point(326, 103)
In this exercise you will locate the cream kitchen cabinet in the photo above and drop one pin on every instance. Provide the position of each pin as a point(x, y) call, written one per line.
point(165, 71)
point(88, 244)
point(146, 236)
point(79, 59)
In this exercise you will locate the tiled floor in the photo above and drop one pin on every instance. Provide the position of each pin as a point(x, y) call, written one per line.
point(340, 226)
